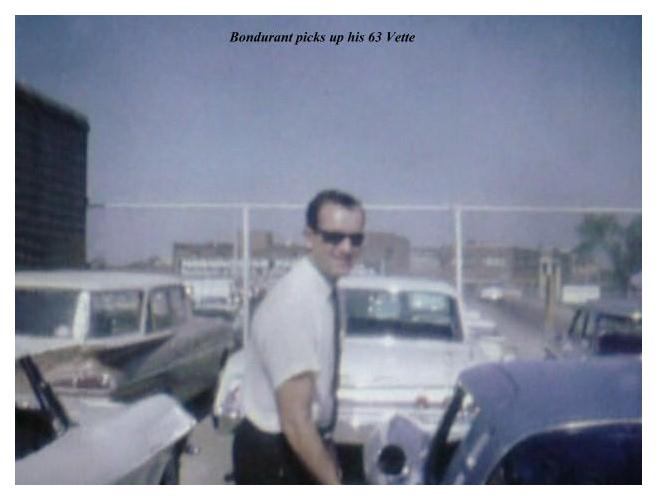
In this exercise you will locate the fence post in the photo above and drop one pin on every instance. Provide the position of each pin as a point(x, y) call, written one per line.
point(458, 252)
point(246, 279)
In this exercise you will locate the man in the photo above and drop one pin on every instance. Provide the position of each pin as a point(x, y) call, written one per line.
point(289, 386)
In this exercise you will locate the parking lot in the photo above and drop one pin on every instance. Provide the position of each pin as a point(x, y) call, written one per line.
point(212, 462)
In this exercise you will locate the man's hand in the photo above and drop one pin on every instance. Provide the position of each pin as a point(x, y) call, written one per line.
point(294, 400)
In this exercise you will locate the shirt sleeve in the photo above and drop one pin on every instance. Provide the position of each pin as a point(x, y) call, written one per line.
point(286, 342)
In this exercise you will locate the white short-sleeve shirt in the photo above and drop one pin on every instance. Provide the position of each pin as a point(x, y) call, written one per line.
point(292, 333)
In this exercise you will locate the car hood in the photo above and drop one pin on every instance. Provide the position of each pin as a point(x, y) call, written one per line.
point(378, 362)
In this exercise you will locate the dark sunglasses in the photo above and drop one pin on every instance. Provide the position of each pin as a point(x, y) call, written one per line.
point(335, 237)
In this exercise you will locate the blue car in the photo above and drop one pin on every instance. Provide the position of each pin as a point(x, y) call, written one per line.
point(600, 327)
point(528, 422)
point(563, 422)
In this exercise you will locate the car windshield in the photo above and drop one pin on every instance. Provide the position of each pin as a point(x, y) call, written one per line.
point(621, 325)
point(46, 313)
point(402, 314)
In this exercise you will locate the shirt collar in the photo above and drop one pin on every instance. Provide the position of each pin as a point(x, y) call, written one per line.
point(326, 285)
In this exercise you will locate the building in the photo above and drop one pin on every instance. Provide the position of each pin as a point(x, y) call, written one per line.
point(485, 264)
point(204, 259)
point(387, 253)
point(51, 183)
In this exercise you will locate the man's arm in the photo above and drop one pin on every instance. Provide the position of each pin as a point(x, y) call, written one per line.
point(294, 400)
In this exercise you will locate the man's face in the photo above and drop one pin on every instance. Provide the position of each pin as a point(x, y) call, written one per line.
point(333, 254)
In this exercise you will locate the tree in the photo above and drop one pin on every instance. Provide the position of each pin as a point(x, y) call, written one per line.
point(620, 245)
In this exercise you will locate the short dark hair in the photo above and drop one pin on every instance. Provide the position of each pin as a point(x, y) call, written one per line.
point(328, 196)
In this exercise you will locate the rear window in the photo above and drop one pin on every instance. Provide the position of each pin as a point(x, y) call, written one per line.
point(403, 314)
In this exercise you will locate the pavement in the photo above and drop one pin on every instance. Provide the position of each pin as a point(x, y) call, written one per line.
point(212, 461)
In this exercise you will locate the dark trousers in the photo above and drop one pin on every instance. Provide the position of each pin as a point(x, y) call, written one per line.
point(264, 458)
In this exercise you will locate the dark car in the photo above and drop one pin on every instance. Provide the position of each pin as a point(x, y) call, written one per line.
point(598, 328)
point(542, 422)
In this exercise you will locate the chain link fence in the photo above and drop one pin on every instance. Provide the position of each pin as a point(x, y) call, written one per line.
point(485, 252)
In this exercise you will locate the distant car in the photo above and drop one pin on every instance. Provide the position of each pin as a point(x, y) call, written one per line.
point(491, 293)
point(119, 333)
point(527, 422)
point(478, 325)
point(404, 344)
point(495, 293)
point(213, 296)
point(600, 327)
point(80, 440)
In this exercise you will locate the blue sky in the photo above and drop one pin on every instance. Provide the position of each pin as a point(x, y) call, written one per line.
point(477, 110)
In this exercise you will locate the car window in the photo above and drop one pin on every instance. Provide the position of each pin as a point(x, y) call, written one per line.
point(595, 454)
point(115, 313)
point(590, 327)
point(622, 325)
point(403, 314)
point(167, 308)
point(45, 313)
point(177, 300)
point(160, 313)
point(429, 307)
point(578, 324)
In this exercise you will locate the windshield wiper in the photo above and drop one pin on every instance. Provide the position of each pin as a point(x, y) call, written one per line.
point(45, 395)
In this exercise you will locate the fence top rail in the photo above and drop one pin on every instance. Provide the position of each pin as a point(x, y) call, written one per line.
point(374, 207)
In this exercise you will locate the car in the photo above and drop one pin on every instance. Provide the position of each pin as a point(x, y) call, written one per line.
point(496, 293)
point(124, 334)
point(600, 327)
point(213, 296)
point(404, 343)
point(491, 293)
point(501, 428)
point(479, 325)
point(91, 440)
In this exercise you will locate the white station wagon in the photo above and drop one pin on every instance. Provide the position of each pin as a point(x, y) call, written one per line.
point(119, 333)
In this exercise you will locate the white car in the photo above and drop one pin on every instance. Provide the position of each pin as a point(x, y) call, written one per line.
point(124, 334)
point(404, 344)
point(213, 296)
point(492, 293)
point(92, 440)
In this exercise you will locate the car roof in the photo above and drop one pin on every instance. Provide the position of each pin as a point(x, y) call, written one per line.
point(522, 397)
point(32, 346)
point(93, 280)
point(396, 284)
